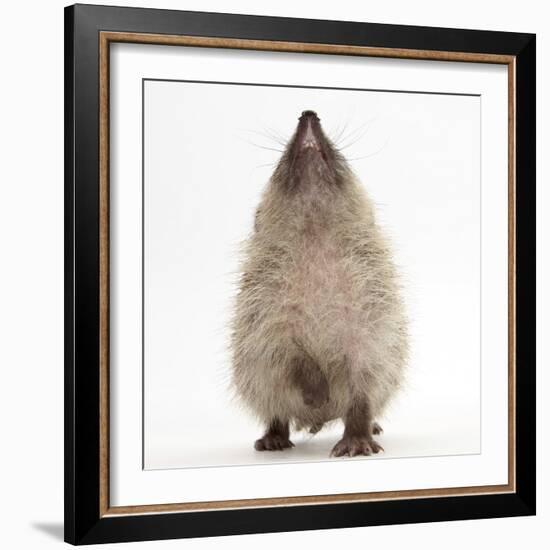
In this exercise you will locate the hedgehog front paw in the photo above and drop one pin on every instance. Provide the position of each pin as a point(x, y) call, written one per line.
point(273, 442)
point(316, 394)
point(356, 445)
point(376, 428)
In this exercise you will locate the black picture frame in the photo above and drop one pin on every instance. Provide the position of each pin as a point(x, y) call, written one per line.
point(84, 524)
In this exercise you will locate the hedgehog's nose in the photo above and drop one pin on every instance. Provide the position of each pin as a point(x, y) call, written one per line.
point(309, 114)
point(309, 131)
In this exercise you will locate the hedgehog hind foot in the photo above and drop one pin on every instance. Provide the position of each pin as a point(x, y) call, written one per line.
point(273, 442)
point(358, 431)
point(356, 445)
point(316, 428)
point(276, 437)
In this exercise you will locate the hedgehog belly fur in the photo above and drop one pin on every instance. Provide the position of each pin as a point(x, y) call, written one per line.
point(330, 297)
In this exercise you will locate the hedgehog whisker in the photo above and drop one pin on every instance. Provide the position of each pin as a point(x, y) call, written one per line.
point(340, 143)
point(261, 146)
point(370, 154)
point(353, 142)
point(276, 135)
point(338, 137)
point(269, 137)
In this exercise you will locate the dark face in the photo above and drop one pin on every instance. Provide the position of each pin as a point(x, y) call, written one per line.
point(310, 157)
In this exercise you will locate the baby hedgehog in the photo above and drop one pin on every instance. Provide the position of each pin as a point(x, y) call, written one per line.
point(319, 331)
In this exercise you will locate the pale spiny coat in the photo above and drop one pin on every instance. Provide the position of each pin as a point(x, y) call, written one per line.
point(318, 281)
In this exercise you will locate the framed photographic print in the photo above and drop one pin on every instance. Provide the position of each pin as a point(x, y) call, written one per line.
point(300, 274)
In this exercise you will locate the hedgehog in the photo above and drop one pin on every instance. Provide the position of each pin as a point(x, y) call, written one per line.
point(319, 330)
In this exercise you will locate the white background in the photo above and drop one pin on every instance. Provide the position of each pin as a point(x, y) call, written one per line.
point(132, 485)
point(423, 175)
point(31, 292)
